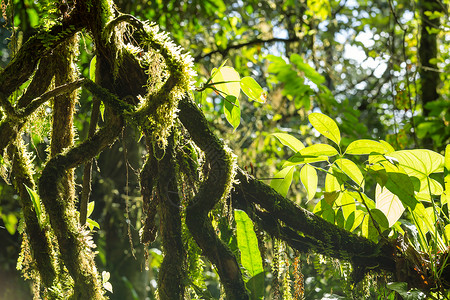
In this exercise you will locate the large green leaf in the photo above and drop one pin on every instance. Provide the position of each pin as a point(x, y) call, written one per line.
point(368, 229)
point(351, 170)
point(420, 163)
point(298, 159)
point(290, 141)
point(389, 204)
point(318, 150)
point(253, 90)
point(325, 126)
point(395, 179)
point(248, 244)
point(308, 176)
point(331, 182)
point(324, 210)
point(232, 111)
point(310, 154)
point(361, 147)
point(228, 81)
point(283, 180)
point(358, 218)
point(347, 203)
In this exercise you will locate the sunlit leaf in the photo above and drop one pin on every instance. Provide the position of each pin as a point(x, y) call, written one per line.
point(308, 176)
point(232, 111)
point(290, 141)
point(447, 231)
point(283, 180)
point(389, 204)
point(361, 147)
point(368, 229)
point(387, 146)
point(248, 244)
point(310, 154)
point(324, 210)
point(318, 150)
point(331, 182)
point(420, 163)
point(90, 208)
point(425, 220)
point(297, 159)
point(229, 81)
point(10, 222)
point(395, 179)
point(359, 217)
point(351, 170)
point(347, 203)
point(91, 223)
point(325, 126)
point(92, 67)
point(253, 90)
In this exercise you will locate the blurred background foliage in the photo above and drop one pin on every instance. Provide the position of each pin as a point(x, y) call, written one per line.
point(355, 60)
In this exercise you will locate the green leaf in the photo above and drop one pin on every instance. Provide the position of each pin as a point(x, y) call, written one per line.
point(331, 182)
point(232, 111)
point(368, 229)
point(379, 217)
point(283, 180)
point(347, 203)
point(229, 81)
point(447, 231)
point(318, 150)
point(310, 154)
point(256, 286)
point(91, 223)
point(90, 208)
point(36, 204)
point(92, 67)
point(387, 146)
point(359, 217)
point(298, 159)
point(420, 163)
point(10, 222)
point(324, 210)
point(389, 204)
point(290, 141)
point(248, 244)
point(351, 170)
point(395, 179)
point(253, 90)
point(325, 126)
point(361, 147)
point(308, 176)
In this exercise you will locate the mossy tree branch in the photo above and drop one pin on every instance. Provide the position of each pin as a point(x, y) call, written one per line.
point(170, 282)
point(212, 190)
point(40, 245)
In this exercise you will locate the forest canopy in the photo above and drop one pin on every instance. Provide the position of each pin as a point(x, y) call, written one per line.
point(225, 149)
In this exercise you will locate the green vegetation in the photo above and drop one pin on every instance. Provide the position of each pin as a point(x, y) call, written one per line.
point(225, 149)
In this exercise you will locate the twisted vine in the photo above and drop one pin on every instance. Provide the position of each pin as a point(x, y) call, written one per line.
point(215, 188)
